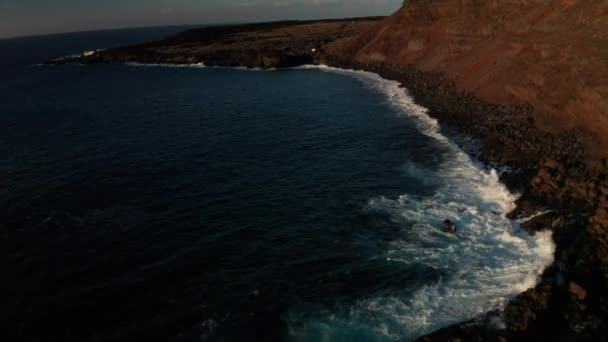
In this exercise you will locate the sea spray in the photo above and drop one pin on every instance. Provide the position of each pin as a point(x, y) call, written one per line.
point(487, 262)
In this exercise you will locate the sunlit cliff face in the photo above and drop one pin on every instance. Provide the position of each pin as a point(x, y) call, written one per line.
point(506, 52)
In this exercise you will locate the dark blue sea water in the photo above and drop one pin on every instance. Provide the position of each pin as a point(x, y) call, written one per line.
point(188, 203)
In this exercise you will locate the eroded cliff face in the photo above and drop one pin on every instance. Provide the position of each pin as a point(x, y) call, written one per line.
point(530, 79)
point(551, 54)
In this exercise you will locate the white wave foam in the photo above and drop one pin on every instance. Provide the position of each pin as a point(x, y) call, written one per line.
point(196, 65)
point(166, 65)
point(488, 261)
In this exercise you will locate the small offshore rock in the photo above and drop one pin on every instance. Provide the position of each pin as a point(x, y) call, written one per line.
point(449, 226)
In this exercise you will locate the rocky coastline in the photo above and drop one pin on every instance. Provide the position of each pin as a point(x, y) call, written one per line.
point(551, 169)
point(559, 307)
point(569, 301)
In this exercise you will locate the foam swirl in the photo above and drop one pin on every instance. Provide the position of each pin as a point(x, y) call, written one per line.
point(488, 261)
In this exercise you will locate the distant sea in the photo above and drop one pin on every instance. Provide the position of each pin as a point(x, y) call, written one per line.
point(144, 203)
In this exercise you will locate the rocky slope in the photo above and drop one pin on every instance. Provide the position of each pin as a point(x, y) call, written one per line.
point(551, 54)
point(528, 78)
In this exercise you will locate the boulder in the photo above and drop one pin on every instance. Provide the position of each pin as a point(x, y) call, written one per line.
point(577, 291)
point(449, 226)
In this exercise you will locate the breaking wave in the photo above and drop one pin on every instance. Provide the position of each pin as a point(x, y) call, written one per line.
point(488, 261)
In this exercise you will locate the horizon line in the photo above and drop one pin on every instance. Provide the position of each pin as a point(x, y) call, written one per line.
point(36, 35)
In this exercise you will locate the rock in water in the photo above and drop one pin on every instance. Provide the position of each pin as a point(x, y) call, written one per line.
point(449, 226)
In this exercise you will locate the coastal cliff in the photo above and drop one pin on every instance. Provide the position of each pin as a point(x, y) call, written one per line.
point(549, 54)
point(527, 78)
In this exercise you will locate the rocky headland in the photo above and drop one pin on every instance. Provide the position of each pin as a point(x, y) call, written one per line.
point(527, 78)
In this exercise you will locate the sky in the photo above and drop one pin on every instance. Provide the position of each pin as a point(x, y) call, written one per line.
point(32, 17)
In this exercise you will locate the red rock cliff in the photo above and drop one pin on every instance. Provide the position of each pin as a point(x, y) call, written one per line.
point(551, 54)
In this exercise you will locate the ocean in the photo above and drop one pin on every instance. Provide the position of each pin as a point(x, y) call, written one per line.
point(189, 203)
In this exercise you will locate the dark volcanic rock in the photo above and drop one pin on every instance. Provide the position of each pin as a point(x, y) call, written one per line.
point(266, 45)
point(449, 226)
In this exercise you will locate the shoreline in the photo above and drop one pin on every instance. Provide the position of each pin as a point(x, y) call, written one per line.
point(549, 170)
point(518, 180)
point(484, 325)
point(483, 321)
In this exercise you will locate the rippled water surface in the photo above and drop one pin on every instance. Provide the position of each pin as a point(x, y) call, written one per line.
point(151, 202)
